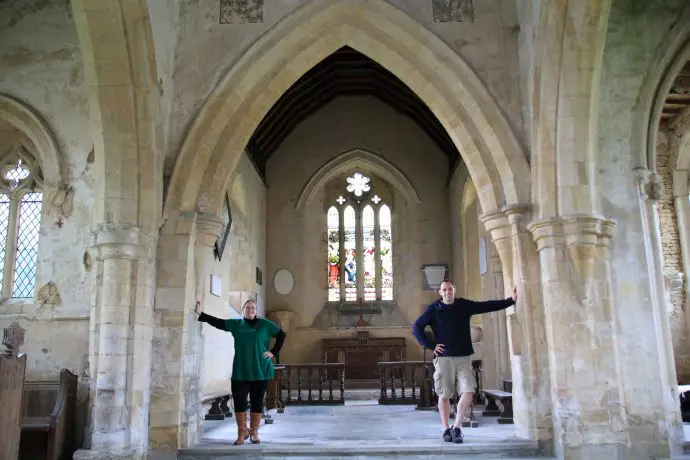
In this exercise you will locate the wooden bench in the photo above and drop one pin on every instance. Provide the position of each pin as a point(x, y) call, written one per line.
point(506, 400)
point(48, 418)
point(219, 408)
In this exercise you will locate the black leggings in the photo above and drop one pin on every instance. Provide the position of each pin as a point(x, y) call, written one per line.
point(256, 390)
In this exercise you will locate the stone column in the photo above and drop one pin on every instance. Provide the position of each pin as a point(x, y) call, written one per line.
point(662, 408)
point(121, 334)
point(590, 420)
point(501, 253)
point(177, 339)
point(524, 323)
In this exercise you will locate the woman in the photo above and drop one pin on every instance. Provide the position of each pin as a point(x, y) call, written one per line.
point(252, 366)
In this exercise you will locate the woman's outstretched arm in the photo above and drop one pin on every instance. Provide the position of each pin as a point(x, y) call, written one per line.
point(218, 323)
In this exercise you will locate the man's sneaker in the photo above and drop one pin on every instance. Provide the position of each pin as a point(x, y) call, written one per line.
point(456, 435)
point(447, 436)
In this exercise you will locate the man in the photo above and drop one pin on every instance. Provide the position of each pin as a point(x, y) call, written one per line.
point(449, 319)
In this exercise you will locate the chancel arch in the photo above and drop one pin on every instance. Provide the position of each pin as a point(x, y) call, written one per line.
point(424, 63)
point(437, 75)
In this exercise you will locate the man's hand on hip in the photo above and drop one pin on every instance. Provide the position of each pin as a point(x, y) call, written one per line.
point(438, 351)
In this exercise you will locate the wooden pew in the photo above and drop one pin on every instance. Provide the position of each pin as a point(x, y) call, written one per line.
point(506, 400)
point(48, 418)
point(12, 370)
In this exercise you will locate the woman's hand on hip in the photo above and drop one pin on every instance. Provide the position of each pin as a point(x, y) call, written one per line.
point(268, 355)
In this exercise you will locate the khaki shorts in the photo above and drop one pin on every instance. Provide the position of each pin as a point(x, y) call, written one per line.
point(453, 373)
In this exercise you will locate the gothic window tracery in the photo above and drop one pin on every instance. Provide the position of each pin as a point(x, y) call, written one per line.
point(21, 200)
point(360, 251)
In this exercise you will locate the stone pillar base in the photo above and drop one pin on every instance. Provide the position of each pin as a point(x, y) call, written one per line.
point(109, 454)
point(592, 451)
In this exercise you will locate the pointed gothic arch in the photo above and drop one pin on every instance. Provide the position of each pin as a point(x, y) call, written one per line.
point(357, 158)
point(30, 123)
point(436, 73)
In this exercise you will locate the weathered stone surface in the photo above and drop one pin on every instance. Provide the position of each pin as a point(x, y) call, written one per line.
point(120, 85)
point(241, 11)
point(453, 10)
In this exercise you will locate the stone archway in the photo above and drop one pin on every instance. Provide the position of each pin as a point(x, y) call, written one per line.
point(217, 138)
point(26, 120)
point(421, 60)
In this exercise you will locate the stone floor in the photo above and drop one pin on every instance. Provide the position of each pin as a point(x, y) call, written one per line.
point(363, 430)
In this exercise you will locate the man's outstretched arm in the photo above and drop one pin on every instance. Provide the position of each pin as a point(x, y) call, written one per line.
point(418, 329)
point(491, 305)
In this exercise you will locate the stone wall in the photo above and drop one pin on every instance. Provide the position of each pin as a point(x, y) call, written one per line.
point(673, 271)
point(194, 73)
point(40, 66)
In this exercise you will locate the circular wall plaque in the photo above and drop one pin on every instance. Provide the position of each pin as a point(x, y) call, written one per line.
point(283, 281)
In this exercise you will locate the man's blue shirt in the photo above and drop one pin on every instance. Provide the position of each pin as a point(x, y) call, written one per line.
point(451, 324)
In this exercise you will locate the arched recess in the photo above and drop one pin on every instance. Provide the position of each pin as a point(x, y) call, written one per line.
point(437, 74)
point(655, 89)
point(357, 158)
point(25, 119)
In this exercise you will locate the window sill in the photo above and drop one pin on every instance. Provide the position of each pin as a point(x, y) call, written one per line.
point(28, 309)
point(18, 307)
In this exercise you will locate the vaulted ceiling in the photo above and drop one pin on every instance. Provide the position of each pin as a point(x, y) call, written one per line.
point(346, 72)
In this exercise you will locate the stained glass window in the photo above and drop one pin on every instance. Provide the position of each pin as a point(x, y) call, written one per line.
point(360, 257)
point(20, 220)
point(369, 253)
point(386, 253)
point(333, 254)
point(350, 259)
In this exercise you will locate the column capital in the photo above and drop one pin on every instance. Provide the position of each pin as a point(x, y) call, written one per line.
point(497, 224)
point(516, 212)
point(578, 229)
point(122, 241)
point(209, 227)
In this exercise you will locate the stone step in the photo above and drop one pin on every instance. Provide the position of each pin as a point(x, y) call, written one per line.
point(506, 450)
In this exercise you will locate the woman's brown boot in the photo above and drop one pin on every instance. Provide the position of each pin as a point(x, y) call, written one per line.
point(241, 418)
point(255, 420)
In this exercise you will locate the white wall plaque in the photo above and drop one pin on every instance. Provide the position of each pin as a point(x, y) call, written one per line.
point(216, 285)
point(283, 281)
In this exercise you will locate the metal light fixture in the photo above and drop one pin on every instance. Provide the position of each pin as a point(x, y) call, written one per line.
point(434, 275)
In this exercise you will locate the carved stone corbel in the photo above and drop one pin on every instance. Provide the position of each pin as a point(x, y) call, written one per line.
point(648, 184)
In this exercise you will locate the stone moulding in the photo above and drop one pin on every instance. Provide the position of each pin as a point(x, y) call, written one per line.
point(579, 229)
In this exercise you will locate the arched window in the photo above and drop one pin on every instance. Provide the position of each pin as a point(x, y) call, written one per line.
point(360, 252)
point(21, 200)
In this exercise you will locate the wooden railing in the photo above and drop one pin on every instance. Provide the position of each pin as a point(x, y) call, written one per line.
point(402, 382)
point(411, 382)
point(319, 380)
